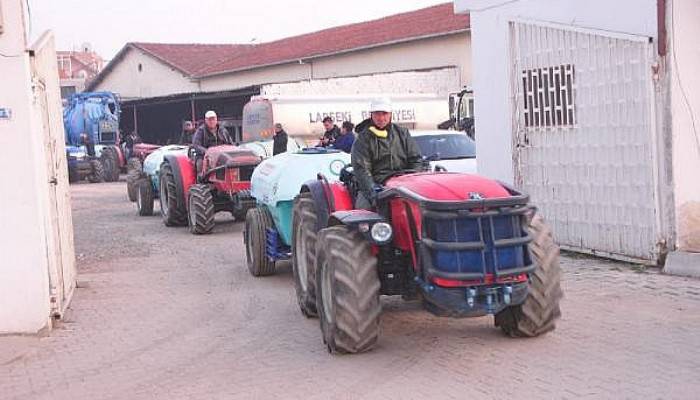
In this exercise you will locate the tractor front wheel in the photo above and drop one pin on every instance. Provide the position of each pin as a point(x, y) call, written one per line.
point(347, 288)
point(144, 197)
point(98, 173)
point(538, 314)
point(134, 172)
point(304, 233)
point(170, 211)
point(257, 222)
point(201, 209)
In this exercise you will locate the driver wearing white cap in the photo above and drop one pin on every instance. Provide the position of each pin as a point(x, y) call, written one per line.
point(382, 149)
point(210, 133)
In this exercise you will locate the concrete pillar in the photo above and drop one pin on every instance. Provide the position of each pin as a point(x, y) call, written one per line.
point(683, 63)
point(24, 279)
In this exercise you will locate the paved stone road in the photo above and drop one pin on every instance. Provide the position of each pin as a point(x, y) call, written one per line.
point(164, 314)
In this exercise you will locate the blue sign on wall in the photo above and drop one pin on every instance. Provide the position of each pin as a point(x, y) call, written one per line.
point(5, 113)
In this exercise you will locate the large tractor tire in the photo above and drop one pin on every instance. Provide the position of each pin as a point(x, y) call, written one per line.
point(347, 287)
point(134, 172)
point(170, 211)
point(144, 197)
point(304, 233)
point(538, 314)
point(98, 173)
point(257, 222)
point(110, 162)
point(245, 201)
point(201, 210)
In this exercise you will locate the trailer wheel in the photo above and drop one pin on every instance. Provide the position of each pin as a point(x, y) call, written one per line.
point(98, 173)
point(170, 212)
point(538, 314)
point(144, 197)
point(134, 172)
point(201, 210)
point(348, 286)
point(257, 222)
point(304, 234)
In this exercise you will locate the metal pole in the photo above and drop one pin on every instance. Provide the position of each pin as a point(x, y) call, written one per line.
point(136, 122)
point(194, 117)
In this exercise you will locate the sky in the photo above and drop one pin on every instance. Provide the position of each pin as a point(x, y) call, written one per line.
point(108, 25)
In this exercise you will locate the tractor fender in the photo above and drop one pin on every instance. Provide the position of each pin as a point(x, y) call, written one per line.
point(329, 197)
point(357, 220)
point(184, 173)
point(321, 201)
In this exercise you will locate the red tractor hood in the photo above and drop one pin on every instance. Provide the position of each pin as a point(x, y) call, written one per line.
point(446, 186)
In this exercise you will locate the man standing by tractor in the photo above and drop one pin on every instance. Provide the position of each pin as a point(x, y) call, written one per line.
point(382, 149)
point(279, 140)
point(331, 134)
point(187, 134)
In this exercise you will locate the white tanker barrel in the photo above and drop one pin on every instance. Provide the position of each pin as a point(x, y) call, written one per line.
point(302, 116)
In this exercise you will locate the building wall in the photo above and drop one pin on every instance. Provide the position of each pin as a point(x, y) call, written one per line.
point(424, 54)
point(154, 79)
point(439, 81)
point(24, 284)
point(490, 67)
point(684, 64)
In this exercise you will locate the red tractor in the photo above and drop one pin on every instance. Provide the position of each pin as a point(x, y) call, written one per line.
point(193, 187)
point(466, 246)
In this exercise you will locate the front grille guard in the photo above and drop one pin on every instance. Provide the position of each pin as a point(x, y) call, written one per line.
point(483, 211)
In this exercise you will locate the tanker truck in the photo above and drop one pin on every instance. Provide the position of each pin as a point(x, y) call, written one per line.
point(302, 116)
point(91, 123)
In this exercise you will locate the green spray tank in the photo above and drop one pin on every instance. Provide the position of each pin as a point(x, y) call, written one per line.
point(278, 180)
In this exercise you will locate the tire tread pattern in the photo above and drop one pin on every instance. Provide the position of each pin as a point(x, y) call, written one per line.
point(356, 286)
point(540, 311)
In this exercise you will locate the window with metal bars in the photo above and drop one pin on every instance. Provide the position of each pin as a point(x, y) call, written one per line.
point(548, 96)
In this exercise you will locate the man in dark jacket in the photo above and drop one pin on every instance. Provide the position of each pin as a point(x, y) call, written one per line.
point(210, 133)
point(279, 140)
point(187, 133)
point(381, 150)
point(331, 134)
point(346, 139)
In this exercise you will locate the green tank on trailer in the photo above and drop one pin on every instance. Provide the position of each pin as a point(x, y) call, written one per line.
point(275, 183)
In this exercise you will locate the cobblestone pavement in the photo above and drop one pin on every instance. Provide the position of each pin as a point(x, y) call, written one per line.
point(164, 314)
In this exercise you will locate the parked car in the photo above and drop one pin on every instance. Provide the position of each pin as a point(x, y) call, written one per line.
point(453, 150)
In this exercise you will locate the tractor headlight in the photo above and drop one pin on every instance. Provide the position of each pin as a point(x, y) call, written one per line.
point(381, 232)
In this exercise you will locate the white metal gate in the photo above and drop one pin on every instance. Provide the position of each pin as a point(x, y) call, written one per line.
point(584, 137)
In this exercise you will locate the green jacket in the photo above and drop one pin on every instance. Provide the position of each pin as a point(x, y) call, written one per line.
point(375, 159)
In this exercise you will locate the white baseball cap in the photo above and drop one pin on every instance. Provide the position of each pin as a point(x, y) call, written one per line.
point(383, 104)
point(210, 114)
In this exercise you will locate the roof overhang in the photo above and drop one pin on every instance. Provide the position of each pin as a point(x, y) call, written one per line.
point(323, 55)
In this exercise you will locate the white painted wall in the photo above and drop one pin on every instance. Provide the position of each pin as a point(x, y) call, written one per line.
point(440, 82)
point(491, 58)
point(24, 285)
point(154, 79)
point(435, 53)
point(684, 64)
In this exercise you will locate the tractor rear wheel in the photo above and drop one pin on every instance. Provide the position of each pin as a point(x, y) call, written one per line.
point(201, 209)
point(257, 222)
point(347, 287)
point(110, 162)
point(304, 233)
point(144, 197)
point(134, 172)
point(98, 173)
point(538, 314)
point(170, 211)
